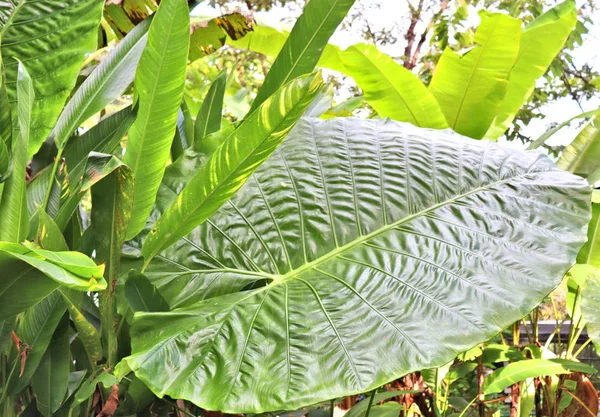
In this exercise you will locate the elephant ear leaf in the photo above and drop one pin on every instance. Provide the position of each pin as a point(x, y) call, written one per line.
point(352, 234)
point(52, 38)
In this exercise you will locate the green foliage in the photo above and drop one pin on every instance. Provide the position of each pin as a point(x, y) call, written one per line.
point(174, 246)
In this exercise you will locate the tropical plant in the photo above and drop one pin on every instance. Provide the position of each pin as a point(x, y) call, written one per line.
point(155, 262)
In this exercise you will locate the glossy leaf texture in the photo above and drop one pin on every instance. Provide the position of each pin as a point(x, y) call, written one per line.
point(358, 224)
point(14, 220)
point(159, 82)
point(470, 87)
point(582, 156)
point(304, 45)
point(520, 371)
point(52, 38)
point(107, 82)
point(230, 166)
point(541, 41)
point(391, 89)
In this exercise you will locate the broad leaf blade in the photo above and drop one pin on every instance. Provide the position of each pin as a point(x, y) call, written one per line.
point(470, 87)
point(52, 37)
point(159, 82)
point(590, 253)
point(590, 306)
point(391, 89)
point(304, 45)
point(417, 237)
point(541, 41)
point(107, 82)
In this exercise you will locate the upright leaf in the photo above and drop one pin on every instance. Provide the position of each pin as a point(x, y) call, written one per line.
point(541, 41)
point(14, 219)
point(159, 83)
point(111, 213)
point(470, 87)
point(546, 135)
point(360, 224)
point(590, 253)
point(391, 89)
point(233, 162)
point(51, 378)
point(107, 82)
point(305, 44)
point(582, 156)
point(52, 37)
point(210, 114)
point(5, 111)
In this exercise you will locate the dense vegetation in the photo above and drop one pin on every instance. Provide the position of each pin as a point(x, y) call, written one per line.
point(170, 248)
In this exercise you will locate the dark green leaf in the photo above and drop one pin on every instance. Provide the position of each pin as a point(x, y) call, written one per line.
point(51, 378)
point(142, 295)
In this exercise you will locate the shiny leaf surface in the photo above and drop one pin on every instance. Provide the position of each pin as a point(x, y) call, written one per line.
point(359, 224)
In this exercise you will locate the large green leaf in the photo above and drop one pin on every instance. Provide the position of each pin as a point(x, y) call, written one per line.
point(159, 82)
point(52, 37)
point(541, 41)
point(107, 82)
point(532, 368)
point(582, 156)
point(242, 151)
point(425, 241)
point(590, 253)
point(111, 213)
point(305, 44)
point(51, 378)
point(470, 87)
point(5, 113)
point(14, 219)
point(391, 89)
